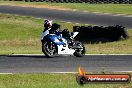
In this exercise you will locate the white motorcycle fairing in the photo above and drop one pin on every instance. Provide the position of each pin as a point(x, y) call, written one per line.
point(63, 48)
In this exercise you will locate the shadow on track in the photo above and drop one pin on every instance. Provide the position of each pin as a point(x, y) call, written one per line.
point(34, 56)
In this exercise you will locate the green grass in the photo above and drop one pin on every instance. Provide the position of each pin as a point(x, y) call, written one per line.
point(21, 35)
point(103, 8)
point(49, 81)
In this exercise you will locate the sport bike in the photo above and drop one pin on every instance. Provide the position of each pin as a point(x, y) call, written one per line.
point(63, 44)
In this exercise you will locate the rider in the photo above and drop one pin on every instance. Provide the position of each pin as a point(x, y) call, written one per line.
point(54, 29)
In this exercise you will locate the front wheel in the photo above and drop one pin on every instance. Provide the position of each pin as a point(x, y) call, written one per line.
point(49, 49)
point(80, 50)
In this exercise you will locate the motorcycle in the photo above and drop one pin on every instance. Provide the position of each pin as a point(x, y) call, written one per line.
point(53, 45)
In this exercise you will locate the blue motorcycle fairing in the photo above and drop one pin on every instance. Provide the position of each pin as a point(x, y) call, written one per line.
point(56, 39)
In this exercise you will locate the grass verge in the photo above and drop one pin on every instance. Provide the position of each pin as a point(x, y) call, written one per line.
point(21, 35)
point(49, 81)
point(103, 8)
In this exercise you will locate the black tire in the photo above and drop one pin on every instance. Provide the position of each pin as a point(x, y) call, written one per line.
point(80, 53)
point(46, 46)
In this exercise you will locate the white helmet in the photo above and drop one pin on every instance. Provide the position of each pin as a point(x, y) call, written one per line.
point(47, 23)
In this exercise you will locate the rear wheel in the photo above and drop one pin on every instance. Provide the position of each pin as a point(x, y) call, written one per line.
point(49, 49)
point(80, 50)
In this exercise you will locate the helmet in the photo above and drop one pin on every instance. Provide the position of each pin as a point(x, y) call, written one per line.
point(47, 23)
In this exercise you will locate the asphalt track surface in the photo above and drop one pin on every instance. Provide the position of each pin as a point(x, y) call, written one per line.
point(69, 16)
point(41, 64)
